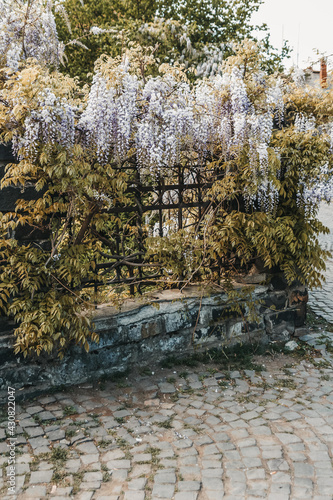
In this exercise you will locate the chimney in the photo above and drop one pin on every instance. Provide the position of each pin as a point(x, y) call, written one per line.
point(323, 73)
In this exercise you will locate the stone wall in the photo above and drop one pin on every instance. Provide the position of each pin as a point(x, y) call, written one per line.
point(143, 333)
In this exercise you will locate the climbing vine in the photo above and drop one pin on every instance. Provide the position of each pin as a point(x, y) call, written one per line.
point(268, 139)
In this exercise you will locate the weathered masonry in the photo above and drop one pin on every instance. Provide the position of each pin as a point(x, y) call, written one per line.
point(145, 333)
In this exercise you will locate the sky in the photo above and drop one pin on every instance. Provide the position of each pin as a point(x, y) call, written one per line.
point(306, 24)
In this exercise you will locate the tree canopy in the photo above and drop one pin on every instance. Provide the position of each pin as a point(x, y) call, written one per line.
point(190, 32)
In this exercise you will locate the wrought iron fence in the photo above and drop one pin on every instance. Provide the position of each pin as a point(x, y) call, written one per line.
point(155, 207)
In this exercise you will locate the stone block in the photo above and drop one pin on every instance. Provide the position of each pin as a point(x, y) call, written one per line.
point(186, 495)
point(301, 331)
point(179, 320)
point(209, 334)
point(35, 492)
point(152, 328)
point(223, 313)
point(278, 299)
point(44, 476)
point(163, 491)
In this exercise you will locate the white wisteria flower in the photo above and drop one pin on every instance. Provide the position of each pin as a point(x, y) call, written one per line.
point(28, 30)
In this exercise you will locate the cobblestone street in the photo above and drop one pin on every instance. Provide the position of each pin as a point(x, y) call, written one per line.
point(184, 435)
point(321, 300)
point(187, 432)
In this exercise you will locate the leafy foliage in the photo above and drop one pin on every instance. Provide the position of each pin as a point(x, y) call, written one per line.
point(214, 21)
point(198, 34)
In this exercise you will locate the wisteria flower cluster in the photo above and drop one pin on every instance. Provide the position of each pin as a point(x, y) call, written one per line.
point(320, 188)
point(110, 115)
point(159, 27)
point(163, 119)
point(305, 123)
point(28, 30)
point(213, 57)
point(166, 116)
point(51, 122)
point(320, 184)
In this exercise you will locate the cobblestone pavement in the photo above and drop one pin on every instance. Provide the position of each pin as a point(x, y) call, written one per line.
point(321, 300)
point(184, 434)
